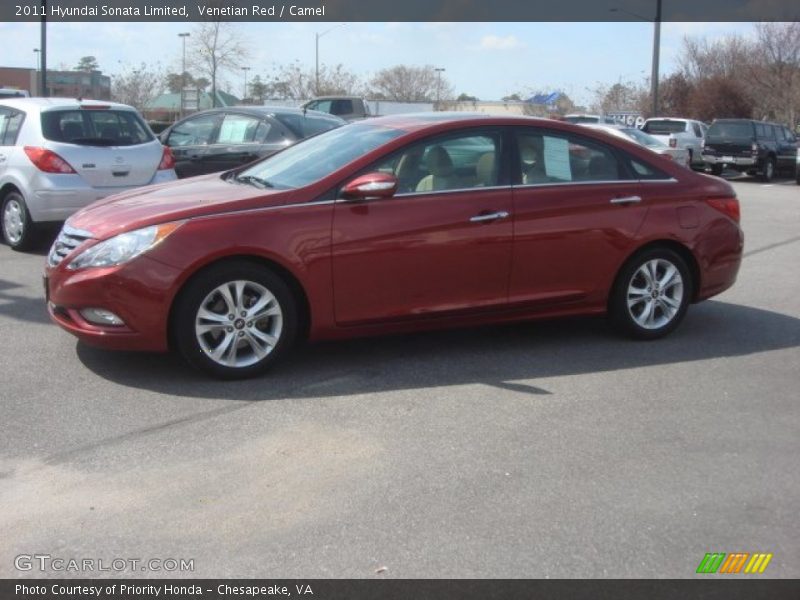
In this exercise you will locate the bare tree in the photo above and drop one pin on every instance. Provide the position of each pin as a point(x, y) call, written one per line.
point(403, 83)
point(776, 71)
point(216, 47)
point(294, 82)
point(137, 86)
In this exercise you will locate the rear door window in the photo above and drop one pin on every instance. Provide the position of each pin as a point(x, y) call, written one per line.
point(95, 127)
point(553, 157)
point(697, 131)
point(241, 129)
point(304, 126)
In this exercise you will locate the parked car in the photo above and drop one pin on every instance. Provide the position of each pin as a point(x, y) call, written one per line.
point(675, 153)
point(13, 93)
point(396, 224)
point(349, 108)
point(580, 118)
point(752, 147)
point(59, 154)
point(223, 138)
point(680, 133)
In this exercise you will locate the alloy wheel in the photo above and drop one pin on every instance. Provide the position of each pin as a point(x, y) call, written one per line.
point(13, 221)
point(239, 323)
point(655, 294)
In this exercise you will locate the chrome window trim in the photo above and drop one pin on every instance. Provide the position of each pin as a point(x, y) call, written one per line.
point(606, 182)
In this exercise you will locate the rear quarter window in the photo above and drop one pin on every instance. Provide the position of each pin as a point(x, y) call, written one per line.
point(95, 127)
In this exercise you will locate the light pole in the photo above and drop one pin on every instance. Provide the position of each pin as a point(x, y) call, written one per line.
point(245, 69)
point(316, 62)
point(439, 71)
point(36, 51)
point(43, 53)
point(183, 37)
point(656, 49)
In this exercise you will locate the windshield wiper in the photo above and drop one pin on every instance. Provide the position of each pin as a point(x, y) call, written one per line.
point(254, 181)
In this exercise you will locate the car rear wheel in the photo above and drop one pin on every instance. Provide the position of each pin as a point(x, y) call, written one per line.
point(18, 230)
point(768, 172)
point(235, 320)
point(651, 294)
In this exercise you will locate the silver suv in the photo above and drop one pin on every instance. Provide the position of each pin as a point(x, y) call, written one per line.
point(680, 133)
point(58, 155)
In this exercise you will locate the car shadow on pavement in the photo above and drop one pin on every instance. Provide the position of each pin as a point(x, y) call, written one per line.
point(497, 356)
point(20, 307)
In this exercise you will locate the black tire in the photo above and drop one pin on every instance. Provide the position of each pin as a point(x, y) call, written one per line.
point(716, 170)
point(768, 170)
point(243, 334)
point(19, 231)
point(667, 312)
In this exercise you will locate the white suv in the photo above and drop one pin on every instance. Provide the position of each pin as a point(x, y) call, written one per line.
point(680, 133)
point(58, 155)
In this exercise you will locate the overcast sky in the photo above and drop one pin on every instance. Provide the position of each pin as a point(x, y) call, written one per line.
point(487, 60)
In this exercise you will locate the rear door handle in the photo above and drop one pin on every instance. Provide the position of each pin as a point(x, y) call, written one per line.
point(501, 214)
point(626, 200)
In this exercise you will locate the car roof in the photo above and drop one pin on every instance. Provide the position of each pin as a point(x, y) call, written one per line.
point(46, 104)
point(439, 120)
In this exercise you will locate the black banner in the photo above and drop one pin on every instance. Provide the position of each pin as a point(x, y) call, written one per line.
point(394, 10)
point(400, 589)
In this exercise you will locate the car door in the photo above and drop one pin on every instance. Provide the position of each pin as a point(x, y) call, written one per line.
point(5, 149)
point(10, 124)
point(238, 141)
point(441, 245)
point(576, 209)
point(189, 141)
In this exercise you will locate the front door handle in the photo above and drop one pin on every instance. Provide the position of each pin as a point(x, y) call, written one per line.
point(626, 200)
point(501, 214)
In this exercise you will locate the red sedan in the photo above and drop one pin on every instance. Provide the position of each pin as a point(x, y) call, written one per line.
point(396, 224)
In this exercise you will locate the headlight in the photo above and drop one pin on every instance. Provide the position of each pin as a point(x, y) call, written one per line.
point(123, 247)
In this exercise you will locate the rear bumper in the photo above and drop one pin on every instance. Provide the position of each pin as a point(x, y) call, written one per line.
point(55, 197)
point(731, 161)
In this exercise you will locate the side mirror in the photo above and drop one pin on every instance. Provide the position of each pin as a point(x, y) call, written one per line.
point(370, 186)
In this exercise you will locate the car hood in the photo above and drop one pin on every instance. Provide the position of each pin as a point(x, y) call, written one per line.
point(174, 201)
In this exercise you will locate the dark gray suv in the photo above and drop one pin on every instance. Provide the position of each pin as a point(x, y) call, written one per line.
point(752, 147)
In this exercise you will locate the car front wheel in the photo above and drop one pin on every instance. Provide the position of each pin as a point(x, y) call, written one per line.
point(18, 229)
point(651, 295)
point(234, 320)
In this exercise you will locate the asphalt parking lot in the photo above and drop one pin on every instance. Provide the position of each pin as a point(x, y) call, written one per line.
point(538, 450)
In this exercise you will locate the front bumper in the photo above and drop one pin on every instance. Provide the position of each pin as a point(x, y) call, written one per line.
point(140, 292)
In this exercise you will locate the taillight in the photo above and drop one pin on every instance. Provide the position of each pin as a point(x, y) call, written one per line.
point(673, 143)
point(47, 160)
point(167, 160)
point(727, 205)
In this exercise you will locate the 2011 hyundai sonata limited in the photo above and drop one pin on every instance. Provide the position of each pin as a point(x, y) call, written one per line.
point(396, 224)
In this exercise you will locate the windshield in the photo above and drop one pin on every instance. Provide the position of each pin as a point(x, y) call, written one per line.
point(319, 156)
point(731, 130)
point(644, 139)
point(664, 127)
point(95, 127)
